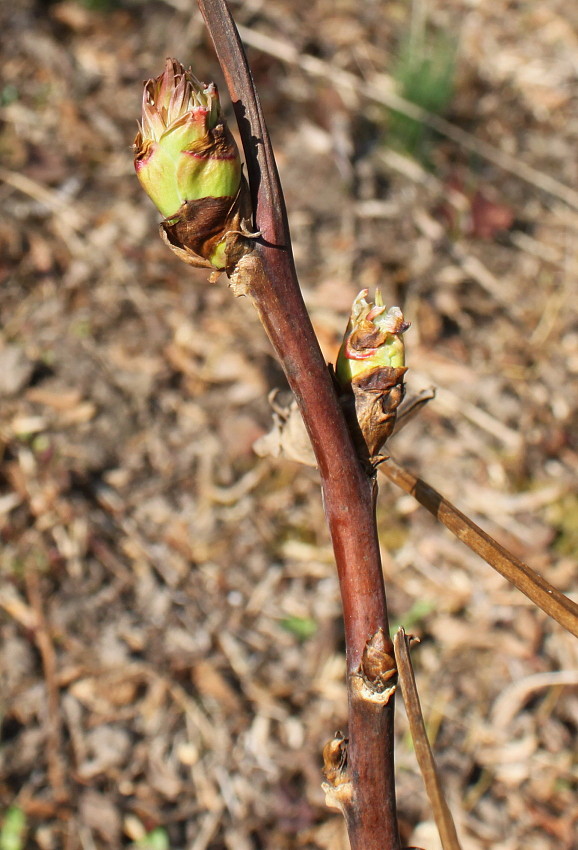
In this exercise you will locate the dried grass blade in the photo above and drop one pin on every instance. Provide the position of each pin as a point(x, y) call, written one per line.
point(424, 755)
point(543, 594)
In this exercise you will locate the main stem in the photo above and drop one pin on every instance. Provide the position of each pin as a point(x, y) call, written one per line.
point(348, 490)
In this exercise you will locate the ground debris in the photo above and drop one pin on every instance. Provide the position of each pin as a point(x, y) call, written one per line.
point(171, 652)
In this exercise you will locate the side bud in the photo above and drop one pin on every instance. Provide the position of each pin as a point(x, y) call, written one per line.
point(370, 370)
point(188, 163)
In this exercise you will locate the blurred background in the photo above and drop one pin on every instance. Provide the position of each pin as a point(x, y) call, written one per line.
point(171, 647)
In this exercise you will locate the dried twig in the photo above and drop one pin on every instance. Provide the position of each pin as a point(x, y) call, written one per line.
point(424, 755)
point(512, 699)
point(53, 715)
point(534, 586)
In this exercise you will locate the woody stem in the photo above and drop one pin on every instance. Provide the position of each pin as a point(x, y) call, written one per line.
point(348, 488)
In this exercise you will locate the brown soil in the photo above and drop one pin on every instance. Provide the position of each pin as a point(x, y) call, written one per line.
point(171, 650)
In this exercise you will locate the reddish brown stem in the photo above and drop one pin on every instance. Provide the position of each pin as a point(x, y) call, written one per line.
point(348, 490)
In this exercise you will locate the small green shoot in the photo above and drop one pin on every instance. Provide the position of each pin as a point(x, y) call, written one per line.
point(424, 74)
point(563, 516)
point(157, 839)
point(8, 94)
point(418, 612)
point(100, 5)
point(13, 829)
point(302, 627)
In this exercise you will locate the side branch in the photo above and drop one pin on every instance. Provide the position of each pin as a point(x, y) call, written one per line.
point(534, 586)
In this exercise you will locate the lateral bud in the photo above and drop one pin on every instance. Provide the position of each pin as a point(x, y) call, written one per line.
point(370, 372)
point(375, 680)
point(335, 759)
point(378, 665)
point(188, 163)
point(338, 788)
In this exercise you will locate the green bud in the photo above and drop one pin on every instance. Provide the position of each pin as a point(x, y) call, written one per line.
point(370, 370)
point(188, 163)
point(373, 339)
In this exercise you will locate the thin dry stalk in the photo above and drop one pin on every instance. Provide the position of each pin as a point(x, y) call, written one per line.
point(534, 586)
point(424, 755)
point(364, 773)
point(45, 646)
